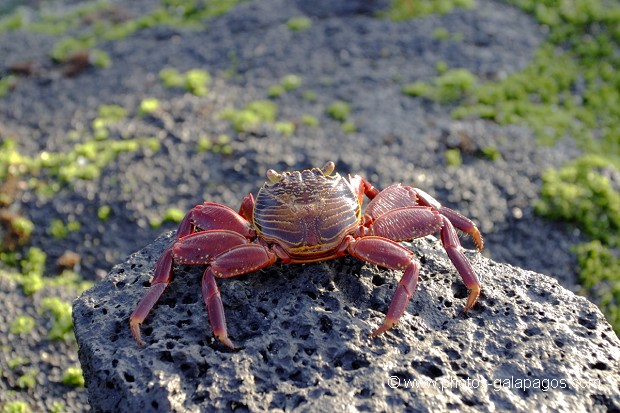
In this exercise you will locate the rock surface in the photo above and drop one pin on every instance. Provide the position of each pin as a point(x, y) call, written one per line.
point(303, 332)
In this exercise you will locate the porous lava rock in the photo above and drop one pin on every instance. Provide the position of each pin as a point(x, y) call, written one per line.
point(304, 345)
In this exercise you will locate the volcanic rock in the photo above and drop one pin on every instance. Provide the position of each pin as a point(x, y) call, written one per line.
point(303, 333)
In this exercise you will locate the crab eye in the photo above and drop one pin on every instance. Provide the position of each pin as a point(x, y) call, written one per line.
point(273, 176)
point(328, 168)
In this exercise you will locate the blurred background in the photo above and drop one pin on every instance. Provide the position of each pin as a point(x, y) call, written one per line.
point(116, 117)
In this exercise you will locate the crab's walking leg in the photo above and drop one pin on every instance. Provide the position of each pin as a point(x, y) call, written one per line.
point(197, 248)
point(458, 220)
point(236, 261)
point(450, 241)
point(211, 216)
point(383, 252)
point(161, 279)
point(215, 308)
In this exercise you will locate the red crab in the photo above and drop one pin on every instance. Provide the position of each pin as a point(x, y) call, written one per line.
point(310, 216)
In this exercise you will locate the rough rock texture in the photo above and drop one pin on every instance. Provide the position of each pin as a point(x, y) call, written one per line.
point(303, 332)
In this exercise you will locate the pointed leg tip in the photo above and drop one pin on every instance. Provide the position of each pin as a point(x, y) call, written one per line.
point(478, 241)
point(135, 332)
point(387, 325)
point(226, 341)
point(474, 293)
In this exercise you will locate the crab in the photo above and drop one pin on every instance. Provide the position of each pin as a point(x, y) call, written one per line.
point(309, 216)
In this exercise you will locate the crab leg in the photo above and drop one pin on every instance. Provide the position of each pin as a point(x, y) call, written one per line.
point(197, 248)
point(450, 241)
point(459, 221)
point(239, 260)
point(161, 279)
point(209, 216)
point(386, 253)
point(407, 223)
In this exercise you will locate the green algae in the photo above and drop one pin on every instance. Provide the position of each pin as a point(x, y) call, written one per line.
point(73, 377)
point(59, 313)
point(253, 114)
point(148, 106)
point(310, 120)
point(449, 86)
point(453, 157)
point(299, 23)
point(220, 144)
point(16, 407)
point(104, 212)
point(340, 111)
point(85, 27)
point(407, 9)
point(28, 380)
point(22, 325)
point(59, 229)
point(85, 160)
point(195, 81)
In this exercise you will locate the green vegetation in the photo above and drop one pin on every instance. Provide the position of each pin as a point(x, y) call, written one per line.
point(22, 325)
point(453, 157)
point(569, 89)
point(65, 48)
point(85, 160)
point(441, 33)
point(285, 128)
point(254, 113)
point(85, 26)
point(408, 9)
point(310, 120)
point(599, 268)
point(309, 95)
point(492, 153)
point(18, 362)
point(219, 145)
point(195, 81)
point(73, 377)
point(104, 212)
point(148, 106)
point(30, 275)
point(348, 126)
point(580, 192)
point(59, 230)
point(7, 84)
point(32, 268)
point(287, 83)
point(58, 407)
point(109, 114)
point(23, 227)
point(27, 380)
point(172, 214)
point(340, 111)
point(60, 315)
point(16, 407)
point(448, 87)
point(299, 23)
